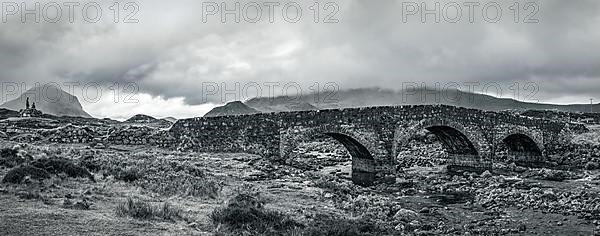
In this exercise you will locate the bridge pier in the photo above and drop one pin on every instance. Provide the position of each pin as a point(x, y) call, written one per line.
point(363, 171)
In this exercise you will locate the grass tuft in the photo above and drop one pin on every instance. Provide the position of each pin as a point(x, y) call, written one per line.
point(342, 227)
point(142, 210)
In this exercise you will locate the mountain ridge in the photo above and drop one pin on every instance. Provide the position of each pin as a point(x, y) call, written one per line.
point(386, 97)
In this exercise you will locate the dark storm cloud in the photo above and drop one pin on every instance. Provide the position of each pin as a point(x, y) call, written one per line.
point(170, 53)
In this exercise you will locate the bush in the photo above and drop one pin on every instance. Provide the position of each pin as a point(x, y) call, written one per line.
point(17, 175)
point(90, 163)
point(9, 158)
point(247, 213)
point(56, 166)
point(146, 211)
point(591, 165)
point(127, 175)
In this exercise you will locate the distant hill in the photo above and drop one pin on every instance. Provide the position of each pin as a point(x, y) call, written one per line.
point(140, 118)
point(268, 105)
point(146, 120)
point(231, 109)
point(170, 119)
point(385, 97)
point(5, 113)
point(50, 100)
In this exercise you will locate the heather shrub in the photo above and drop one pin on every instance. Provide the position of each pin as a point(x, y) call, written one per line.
point(57, 165)
point(129, 174)
point(17, 175)
point(246, 214)
point(166, 177)
point(90, 163)
point(592, 165)
point(9, 158)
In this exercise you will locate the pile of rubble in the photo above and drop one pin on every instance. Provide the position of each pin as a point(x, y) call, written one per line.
point(579, 202)
point(500, 192)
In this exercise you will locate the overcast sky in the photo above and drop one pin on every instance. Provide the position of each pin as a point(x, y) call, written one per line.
point(175, 59)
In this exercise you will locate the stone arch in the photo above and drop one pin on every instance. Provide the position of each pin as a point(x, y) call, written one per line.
point(363, 163)
point(524, 146)
point(354, 147)
point(456, 138)
point(534, 136)
point(362, 150)
point(522, 143)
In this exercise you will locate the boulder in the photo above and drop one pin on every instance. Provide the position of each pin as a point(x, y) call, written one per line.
point(406, 215)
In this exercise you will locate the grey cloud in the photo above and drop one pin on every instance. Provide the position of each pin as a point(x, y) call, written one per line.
point(171, 52)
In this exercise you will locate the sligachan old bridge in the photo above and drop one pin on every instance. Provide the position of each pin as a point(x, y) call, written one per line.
point(374, 135)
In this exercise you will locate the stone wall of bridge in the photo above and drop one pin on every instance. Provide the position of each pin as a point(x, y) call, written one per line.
point(380, 130)
point(256, 134)
point(385, 126)
point(392, 125)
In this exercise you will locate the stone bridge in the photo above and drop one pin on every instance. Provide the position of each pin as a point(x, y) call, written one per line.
point(373, 136)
